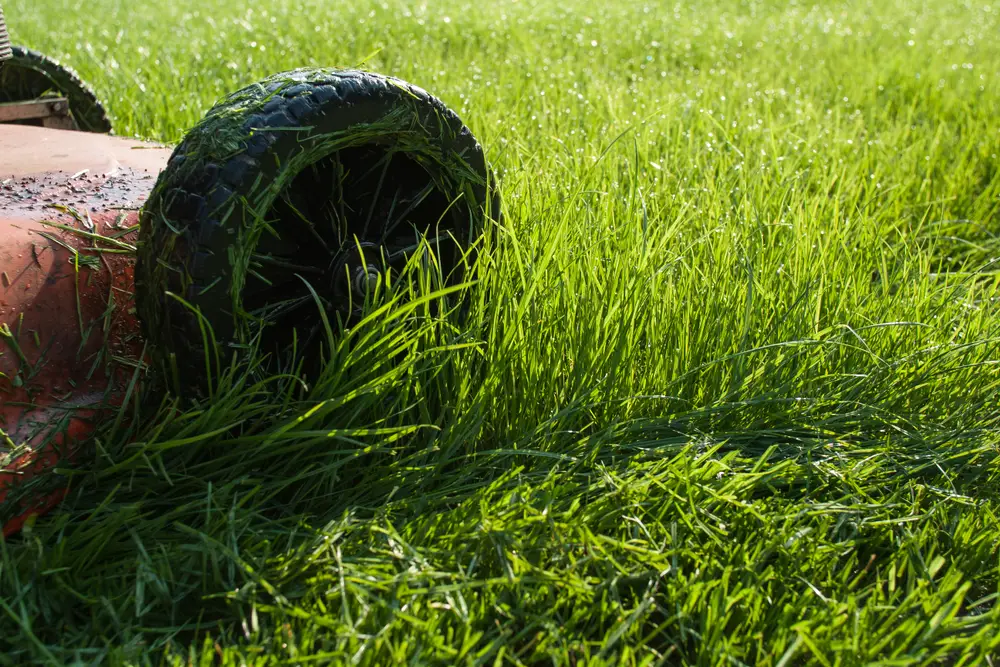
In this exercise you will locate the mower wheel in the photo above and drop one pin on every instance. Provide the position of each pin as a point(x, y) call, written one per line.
point(29, 75)
point(311, 186)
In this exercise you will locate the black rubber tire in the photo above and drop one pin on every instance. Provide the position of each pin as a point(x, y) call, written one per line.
point(29, 75)
point(249, 158)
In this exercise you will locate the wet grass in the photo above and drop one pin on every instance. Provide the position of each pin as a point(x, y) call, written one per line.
point(728, 393)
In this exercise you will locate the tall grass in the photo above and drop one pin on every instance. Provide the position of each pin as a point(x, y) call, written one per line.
point(728, 392)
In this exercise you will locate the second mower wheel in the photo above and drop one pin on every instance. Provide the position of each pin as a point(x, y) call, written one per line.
point(30, 77)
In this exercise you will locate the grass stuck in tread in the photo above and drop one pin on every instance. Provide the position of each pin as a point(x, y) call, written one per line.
point(727, 392)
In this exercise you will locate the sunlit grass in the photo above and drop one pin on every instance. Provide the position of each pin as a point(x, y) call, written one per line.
point(728, 392)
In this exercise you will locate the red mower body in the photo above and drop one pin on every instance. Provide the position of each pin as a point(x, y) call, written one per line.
point(346, 210)
point(70, 343)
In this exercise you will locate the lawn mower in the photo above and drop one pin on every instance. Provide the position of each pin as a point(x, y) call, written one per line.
point(288, 205)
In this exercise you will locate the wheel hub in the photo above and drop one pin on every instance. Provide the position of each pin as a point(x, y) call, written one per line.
point(357, 273)
point(366, 279)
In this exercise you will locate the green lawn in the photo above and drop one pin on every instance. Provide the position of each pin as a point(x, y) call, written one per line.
point(730, 391)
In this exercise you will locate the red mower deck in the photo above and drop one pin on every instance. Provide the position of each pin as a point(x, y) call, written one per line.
point(69, 337)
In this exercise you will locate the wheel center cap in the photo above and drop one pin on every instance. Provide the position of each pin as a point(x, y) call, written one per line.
point(365, 279)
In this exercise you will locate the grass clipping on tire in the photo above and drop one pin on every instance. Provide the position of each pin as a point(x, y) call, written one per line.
point(207, 215)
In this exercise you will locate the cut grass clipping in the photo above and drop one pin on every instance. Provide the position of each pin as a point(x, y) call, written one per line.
point(727, 392)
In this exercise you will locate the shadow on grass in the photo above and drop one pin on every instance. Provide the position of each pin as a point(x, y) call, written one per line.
point(267, 511)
